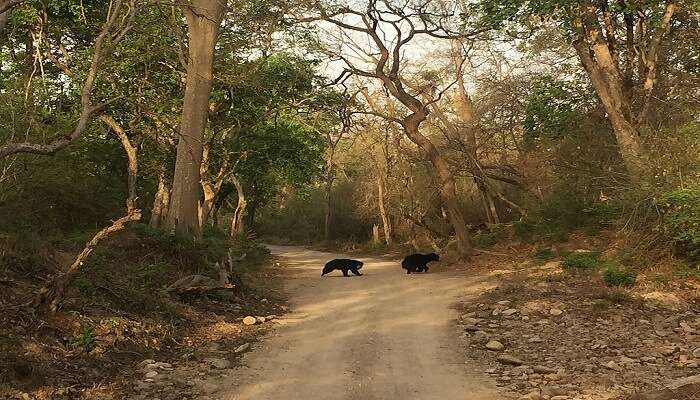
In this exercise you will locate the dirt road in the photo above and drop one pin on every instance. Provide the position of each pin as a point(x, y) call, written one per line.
point(382, 336)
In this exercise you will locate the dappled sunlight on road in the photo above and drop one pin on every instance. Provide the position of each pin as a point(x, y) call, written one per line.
point(384, 335)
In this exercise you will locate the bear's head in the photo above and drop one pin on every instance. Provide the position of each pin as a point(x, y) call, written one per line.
point(433, 257)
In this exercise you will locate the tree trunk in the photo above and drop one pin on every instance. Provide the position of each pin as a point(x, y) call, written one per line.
point(386, 224)
point(238, 221)
point(448, 191)
point(327, 211)
point(203, 20)
point(375, 234)
point(602, 69)
point(465, 111)
point(329, 192)
point(160, 202)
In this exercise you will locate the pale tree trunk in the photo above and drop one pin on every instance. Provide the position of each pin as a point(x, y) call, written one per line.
point(210, 189)
point(328, 195)
point(609, 89)
point(386, 224)
point(612, 88)
point(203, 20)
point(238, 219)
point(160, 202)
point(375, 234)
point(448, 191)
point(465, 111)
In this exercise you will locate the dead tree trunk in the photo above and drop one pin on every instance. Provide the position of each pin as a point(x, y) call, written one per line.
point(52, 294)
point(203, 20)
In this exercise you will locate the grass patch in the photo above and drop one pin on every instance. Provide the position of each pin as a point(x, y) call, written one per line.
point(587, 260)
point(689, 270)
point(542, 254)
point(615, 275)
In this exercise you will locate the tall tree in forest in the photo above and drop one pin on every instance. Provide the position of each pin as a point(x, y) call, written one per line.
point(389, 29)
point(203, 22)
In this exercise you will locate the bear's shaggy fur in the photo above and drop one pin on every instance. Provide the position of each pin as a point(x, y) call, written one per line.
point(343, 264)
point(418, 262)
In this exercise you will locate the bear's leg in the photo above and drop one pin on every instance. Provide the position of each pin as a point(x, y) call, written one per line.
point(425, 269)
point(408, 270)
point(355, 272)
point(345, 272)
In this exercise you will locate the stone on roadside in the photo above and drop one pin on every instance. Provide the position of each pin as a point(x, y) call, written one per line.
point(613, 366)
point(495, 345)
point(242, 348)
point(249, 320)
point(260, 319)
point(555, 311)
point(510, 312)
point(218, 363)
point(509, 360)
point(151, 374)
point(541, 369)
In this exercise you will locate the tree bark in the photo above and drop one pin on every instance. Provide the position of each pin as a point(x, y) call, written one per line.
point(448, 191)
point(609, 89)
point(238, 219)
point(386, 223)
point(203, 20)
point(160, 202)
point(612, 87)
point(330, 177)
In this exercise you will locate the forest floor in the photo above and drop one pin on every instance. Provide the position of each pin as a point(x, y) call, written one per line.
point(119, 335)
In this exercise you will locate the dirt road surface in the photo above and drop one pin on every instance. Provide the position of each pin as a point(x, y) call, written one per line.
point(382, 336)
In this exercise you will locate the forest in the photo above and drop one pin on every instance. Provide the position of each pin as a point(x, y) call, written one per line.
point(151, 152)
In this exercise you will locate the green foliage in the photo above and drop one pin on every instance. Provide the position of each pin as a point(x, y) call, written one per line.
point(553, 109)
point(85, 339)
point(616, 275)
point(587, 260)
point(490, 236)
point(562, 212)
point(688, 269)
point(680, 220)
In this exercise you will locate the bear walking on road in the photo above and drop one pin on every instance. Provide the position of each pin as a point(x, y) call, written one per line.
point(418, 262)
point(343, 264)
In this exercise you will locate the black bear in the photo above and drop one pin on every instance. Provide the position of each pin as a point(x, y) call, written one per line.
point(418, 262)
point(343, 264)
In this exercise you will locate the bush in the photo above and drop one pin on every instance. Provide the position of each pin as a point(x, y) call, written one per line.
point(490, 236)
point(615, 275)
point(542, 254)
point(581, 260)
point(681, 220)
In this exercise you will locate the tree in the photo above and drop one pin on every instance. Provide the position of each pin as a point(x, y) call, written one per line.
point(619, 46)
point(203, 22)
point(385, 55)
